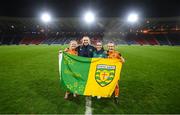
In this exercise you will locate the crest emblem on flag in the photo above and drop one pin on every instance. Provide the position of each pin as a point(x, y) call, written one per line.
point(104, 74)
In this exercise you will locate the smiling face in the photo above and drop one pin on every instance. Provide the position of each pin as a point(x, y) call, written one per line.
point(85, 40)
point(98, 46)
point(73, 44)
point(111, 46)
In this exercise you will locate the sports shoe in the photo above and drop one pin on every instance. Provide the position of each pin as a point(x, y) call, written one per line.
point(116, 100)
point(74, 95)
point(98, 97)
point(66, 96)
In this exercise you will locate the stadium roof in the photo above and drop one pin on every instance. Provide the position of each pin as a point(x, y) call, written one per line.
point(103, 8)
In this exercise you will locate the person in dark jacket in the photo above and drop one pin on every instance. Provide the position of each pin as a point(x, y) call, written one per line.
point(86, 49)
point(99, 53)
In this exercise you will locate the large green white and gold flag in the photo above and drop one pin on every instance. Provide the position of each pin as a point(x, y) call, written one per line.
point(89, 76)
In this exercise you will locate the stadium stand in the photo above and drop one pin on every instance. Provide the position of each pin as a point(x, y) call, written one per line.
point(162, 39)
point(174, 39)
point(160, 31)
point(17, 39)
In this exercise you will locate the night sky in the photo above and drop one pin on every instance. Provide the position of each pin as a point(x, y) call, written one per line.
point(103, 8)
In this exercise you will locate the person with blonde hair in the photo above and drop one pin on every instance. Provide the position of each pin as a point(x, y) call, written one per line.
point(71, 50)
point(113, 54)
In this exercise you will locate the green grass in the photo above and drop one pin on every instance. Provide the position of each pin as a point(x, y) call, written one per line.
point(29, 81)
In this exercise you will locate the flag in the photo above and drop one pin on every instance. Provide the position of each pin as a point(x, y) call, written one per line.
point(89, 76)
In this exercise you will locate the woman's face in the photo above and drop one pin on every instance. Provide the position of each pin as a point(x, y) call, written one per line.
point(99, 46)
point(73, 45)
point(111, 46)
point(85, 41)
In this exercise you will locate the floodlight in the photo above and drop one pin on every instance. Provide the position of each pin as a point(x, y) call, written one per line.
point(46, 17)
point(89, 17)
point(132, 17)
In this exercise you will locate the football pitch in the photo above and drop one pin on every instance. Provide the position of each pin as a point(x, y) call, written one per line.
point(29, 82)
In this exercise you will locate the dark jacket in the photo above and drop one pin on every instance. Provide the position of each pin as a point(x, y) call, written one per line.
point(85, 51)
point(100, 54)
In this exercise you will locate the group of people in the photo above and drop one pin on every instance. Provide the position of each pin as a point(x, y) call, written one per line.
point(87, 50)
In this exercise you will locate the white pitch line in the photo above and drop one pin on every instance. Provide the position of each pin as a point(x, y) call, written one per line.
point(88, 110)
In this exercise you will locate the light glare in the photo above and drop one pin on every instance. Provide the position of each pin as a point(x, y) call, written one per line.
point(89, 17)
point(46, 17)
point(132, 18)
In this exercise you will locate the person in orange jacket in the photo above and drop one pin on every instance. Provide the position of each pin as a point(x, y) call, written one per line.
point(71, 50)
point(113, 54)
